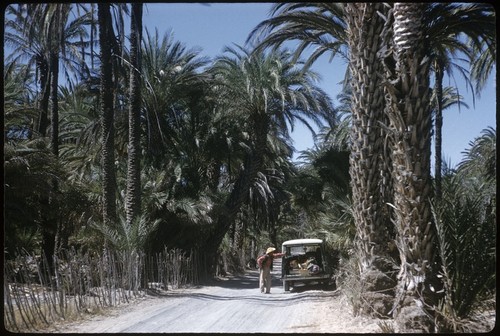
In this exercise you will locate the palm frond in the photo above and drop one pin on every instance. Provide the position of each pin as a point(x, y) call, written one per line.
point(480, 157)
point(467, 246)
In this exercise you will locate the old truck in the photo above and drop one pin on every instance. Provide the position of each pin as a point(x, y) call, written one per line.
point(304, 262)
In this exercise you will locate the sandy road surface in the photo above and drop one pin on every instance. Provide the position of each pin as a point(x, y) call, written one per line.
point(234, 305)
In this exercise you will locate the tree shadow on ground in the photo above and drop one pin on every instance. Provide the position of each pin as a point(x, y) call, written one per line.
point(275, 299)
point(238, 288)
point(248, 280)
point(308, 287)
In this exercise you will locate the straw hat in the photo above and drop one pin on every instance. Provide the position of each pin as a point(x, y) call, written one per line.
point(270, 249)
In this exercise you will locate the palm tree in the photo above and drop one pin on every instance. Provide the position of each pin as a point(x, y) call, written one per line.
point(20, 34)
point(44, 34)
point(25, 160)
point(266, 197)
point(456, 30)
point(333, 27)
point(38, 32)
point(80, 127)
point(369, 160)
point(30, 168)
point(338, 137)
point(19, 108)
point(410, 125)
point(133, 199)
point(56, 16)
point(465, 219)
point(184, 136)
point(173, 78)
point(483, 64)
point(321, 25)
point(107, 114)
point(320, 200)
point(466, 236)
point(51, 237)
point(479, 163)
point(268, 92)
point(449, 98)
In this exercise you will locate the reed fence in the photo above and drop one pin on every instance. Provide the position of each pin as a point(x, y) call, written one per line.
point(36, 295)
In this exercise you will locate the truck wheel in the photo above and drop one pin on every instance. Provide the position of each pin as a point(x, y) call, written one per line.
point(329, 284)
point(286, 286)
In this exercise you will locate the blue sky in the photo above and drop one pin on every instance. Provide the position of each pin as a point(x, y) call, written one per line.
point(213, 26)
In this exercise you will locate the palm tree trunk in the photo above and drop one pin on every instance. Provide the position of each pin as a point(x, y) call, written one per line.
point(410, 124)
point(52, 225)
point(237, 246)
point(43, 67)
point(107, 114)
point(438, 128)
point(48, 233)
point(213, 175)
point(54, 83)
point(133, 199)
point(369, 167)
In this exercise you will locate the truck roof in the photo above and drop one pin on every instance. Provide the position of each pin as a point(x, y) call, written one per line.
point(302, 241)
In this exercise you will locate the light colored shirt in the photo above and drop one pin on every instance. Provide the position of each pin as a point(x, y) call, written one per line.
point(266, 260)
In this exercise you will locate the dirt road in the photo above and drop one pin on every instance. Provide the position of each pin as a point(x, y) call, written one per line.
point(234, 305)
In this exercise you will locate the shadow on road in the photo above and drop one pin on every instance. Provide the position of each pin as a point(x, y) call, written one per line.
point(274, 299)
point(315, 286)
point(243, 281)
point(246, 288)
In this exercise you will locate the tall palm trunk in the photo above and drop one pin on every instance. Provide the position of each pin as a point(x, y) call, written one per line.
point(133, 200)
point(369, 167)
point(43, 121)
point(439, 72)
point(57, 222)
point(54, 83)
point(51, 226)
point(107, 114)
point(410, 124)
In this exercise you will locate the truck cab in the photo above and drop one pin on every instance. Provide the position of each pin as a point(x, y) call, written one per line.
point(304, 262)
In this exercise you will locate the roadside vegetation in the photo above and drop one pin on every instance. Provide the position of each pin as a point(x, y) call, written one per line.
point(133, 163)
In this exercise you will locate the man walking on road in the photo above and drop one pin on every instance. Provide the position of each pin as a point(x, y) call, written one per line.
point(265, 262)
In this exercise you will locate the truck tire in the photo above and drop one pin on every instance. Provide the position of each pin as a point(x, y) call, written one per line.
point(286, 286)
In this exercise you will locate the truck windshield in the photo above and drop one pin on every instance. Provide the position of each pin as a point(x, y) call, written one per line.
point(301, 249)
